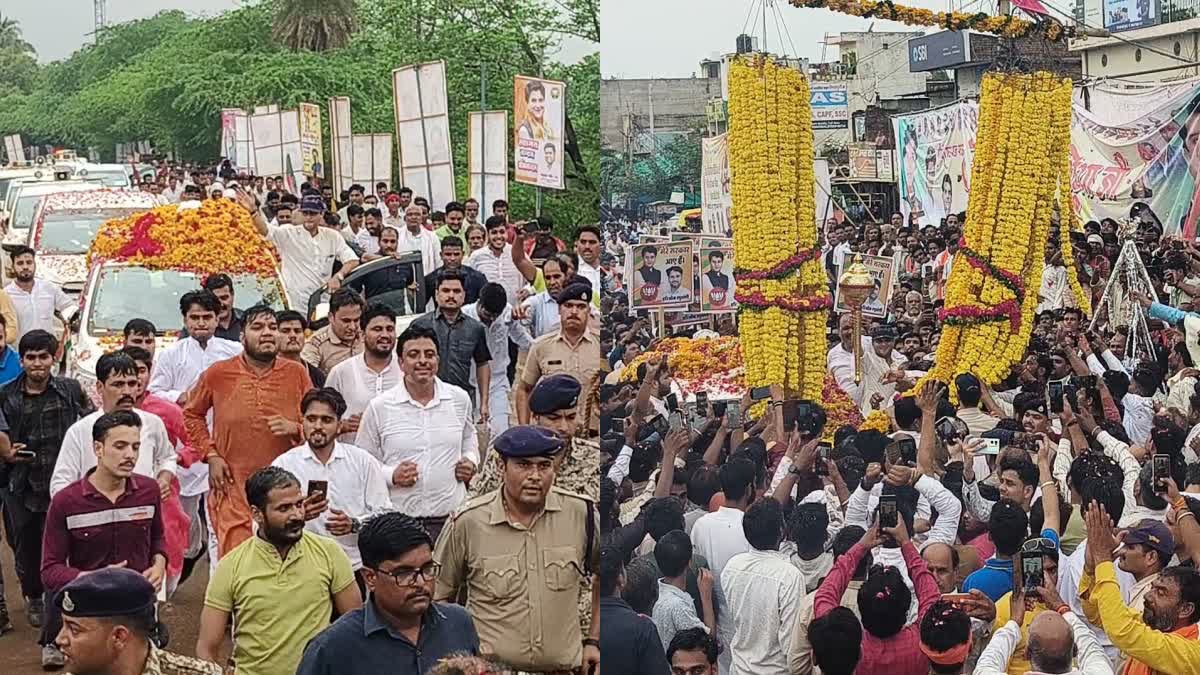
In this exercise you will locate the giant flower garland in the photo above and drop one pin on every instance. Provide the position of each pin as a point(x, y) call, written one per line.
point(712, 365)
point(1021, 169)
point(217, 237)
point(781, 285)
point(1006, 26)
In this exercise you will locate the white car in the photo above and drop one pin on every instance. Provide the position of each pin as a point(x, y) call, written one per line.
point(117, 292)
point(23, 200)
point(64, 225)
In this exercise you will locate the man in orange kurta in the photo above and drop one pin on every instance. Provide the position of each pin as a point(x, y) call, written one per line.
point(255, 401)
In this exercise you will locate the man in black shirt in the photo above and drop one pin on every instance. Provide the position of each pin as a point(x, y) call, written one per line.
point(452, 257)
point(629, 641)
point(462, 342)
point(389, 278)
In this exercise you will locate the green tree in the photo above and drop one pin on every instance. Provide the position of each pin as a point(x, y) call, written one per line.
point(315, 25)
point(11, 38)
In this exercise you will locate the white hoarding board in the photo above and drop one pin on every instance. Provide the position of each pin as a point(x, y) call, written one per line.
point(371, 160)
point(340, 145)
point(488, 160)
point(14, 149)
point(423, 131)
point(277, 149)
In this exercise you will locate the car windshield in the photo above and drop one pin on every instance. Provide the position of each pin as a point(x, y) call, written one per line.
point(118, 179)
point(23, 213)
point(124, 293)
point(72, 232)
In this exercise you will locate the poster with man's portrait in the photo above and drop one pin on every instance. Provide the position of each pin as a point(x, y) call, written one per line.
point(662, 275)
point(716, 275)
point(877, 303)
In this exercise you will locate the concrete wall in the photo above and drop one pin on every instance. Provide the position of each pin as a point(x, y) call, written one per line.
point(679, 105)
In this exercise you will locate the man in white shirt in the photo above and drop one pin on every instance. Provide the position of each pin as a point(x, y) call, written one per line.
point(718, 536)
point(37, 301)
point(368, 237)
point(501, 323)
point(495, 260)
point(840, 361)
point(365, 376)
point(762, 592)
point(357, 198)
point(414, 237)
point(422, 431)
point(587, 248)
point(307, 250)
point(355, 487)
point(117, 382)
point(178, 366)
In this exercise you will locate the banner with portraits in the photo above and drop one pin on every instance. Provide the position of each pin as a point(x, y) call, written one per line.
point(310, 140)
point(935, 149)
point(661, 275)
point(716, 195)
point(877, 303)
point(715, 266)
point(539, 114)
point(1131, 163)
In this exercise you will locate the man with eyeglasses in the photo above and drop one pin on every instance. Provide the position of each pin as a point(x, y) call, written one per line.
point(522, 552)
point(401, 629)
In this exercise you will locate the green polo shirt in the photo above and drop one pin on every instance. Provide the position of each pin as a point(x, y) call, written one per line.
point(279, 604)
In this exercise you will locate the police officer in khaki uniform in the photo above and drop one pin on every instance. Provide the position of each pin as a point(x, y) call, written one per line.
point(522, 553)
point(554, 404)
point(110, 624)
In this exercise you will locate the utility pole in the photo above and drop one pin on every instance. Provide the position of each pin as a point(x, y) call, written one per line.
point(100, 7)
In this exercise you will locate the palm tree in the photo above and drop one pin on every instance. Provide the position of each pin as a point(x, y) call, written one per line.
point(316, 25)
point(10, 36)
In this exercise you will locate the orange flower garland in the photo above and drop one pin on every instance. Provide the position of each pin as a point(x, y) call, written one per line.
point(217, 237)
point(713, 365)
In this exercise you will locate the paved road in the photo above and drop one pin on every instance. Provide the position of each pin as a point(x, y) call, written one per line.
point(21, 655)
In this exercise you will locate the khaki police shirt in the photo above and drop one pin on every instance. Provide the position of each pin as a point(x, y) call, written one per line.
point(522, 583)
point(579, 473)
point(160, 662)
point(552, 354)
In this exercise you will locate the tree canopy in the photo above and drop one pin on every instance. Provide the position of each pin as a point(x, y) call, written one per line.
point(165, 80)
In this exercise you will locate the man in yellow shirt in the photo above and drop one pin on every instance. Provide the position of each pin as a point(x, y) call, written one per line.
point(283, 584)
point(1164, 639)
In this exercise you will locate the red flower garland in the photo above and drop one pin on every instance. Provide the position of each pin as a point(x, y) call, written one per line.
point(140, 241)
point(1009, 280)
point(967, 315)
point(780, 270)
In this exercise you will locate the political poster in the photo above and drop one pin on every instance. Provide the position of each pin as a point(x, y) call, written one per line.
point(876, 304)
point(717, 285)
point(1125, 165)
point(661, 275)
point(936, 148)
point(830, 106)
point(716, 196)
point(539, 113)
point(312, 160)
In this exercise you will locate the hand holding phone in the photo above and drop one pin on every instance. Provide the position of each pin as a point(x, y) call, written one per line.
point(1162, 471)
point(760, 393)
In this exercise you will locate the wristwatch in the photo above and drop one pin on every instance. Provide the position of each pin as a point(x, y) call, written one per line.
point(355, 525)
point(796, 470)
point(589, 642)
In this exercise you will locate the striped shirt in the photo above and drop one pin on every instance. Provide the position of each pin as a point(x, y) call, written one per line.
point(85, 531)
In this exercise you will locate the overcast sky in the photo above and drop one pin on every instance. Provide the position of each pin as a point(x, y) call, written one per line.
point(56, 28)
point(668, 38)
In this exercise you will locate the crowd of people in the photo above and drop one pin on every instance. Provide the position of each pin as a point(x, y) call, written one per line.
point(383, 494)
point(1046, 523)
